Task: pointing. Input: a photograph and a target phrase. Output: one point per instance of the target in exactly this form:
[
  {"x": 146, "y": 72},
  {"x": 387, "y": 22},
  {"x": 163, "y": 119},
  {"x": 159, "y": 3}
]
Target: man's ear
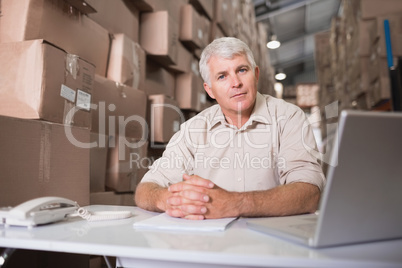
[
  {"x": 257, "y": 73},
  {"x": 208, "y": 90}
]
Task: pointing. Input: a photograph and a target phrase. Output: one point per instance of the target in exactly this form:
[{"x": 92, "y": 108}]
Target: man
[{"x": 245, "y": 156}]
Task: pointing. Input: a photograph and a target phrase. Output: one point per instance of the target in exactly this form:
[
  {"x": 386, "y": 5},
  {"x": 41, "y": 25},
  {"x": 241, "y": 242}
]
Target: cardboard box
[
  {"x": 194, "y": 29},
  {"x": 367, "y": 36},
  {"x": 380, "y": 90},
  {"x": 127, "y": 62},
  {"x": 165, "y": 118},
  {"x": 225, "y": 15},
  {"x": 117, "y": 16},
  {"x": 216, "y": 32},
  {"x": 190, "y": 93},
  {"x": 82, "y": 6},
  {"x": 364, "y": 73},
  {"x": 183, "y": 62},
  {"x": 204, "y": 7},
  {"x": 98, "y": 161},
  {"x": 126, "y": 163},
  {"x": 113, "y": 199},
  {"x": 144, "y": 5},
  {"x": 120, "y": 110},
  {"x": 53, "y": 21},
  {"x": 36, "y": 83},
  {"x": 172, "y": 7},
  {"x": 307, "y": 95},
  {"x": 42, "y": 159},
  {"x": 159, "y": 80},
  {"x": 159, "y": 35},
  {"x": 374, "y": 8}
]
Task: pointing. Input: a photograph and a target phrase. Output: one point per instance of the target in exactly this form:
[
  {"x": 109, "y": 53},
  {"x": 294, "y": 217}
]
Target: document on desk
[{"x": 165, "y": 222}]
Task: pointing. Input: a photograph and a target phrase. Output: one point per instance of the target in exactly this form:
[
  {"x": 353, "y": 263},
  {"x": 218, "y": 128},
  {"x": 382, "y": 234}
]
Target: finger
[
  {"x": 182, "y": 186},
  {"x": 198, "y": 181},
  {"x": 174, "y": 201},
  {"x": 194, "y": 217},
  {"x": 177, "y": 200},
  {"x": 193, "y": 209},
  {"x": 177, "y": 213},
  {"x": 195, "y": 196}
]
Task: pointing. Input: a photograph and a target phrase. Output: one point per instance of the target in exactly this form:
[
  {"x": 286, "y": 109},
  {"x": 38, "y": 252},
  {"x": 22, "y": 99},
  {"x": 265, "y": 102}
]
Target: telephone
[
  {"x": 40, "y": 210},
  {"x": 50, "y": 209}
]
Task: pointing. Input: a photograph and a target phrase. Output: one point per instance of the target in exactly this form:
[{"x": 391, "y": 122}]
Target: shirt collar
[{"x": 260, "y": 113}]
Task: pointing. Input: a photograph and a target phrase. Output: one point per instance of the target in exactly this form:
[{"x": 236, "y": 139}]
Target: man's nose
[{"x": 236, "y": 82}]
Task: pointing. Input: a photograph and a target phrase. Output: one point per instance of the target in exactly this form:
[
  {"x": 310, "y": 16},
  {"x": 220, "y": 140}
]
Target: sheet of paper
[{"x": 165, "y": 222}]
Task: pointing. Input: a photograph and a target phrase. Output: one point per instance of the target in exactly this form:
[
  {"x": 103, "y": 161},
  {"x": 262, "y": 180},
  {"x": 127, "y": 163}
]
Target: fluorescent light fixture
[{"x": 273, "y": 43}]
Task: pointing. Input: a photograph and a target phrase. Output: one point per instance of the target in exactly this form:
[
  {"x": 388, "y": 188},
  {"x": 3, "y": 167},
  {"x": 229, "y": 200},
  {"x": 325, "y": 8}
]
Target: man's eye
[
  {"x": 221, "y": 77},
  {"x": 243, "y": 70}
]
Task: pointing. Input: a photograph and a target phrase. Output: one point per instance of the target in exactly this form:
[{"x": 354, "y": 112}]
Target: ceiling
[{"x": 295, "y": 22}]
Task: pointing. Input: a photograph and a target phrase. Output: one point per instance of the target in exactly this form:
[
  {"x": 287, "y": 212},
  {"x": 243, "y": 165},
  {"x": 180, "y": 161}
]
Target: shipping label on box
[{"x": 41, "y": 81}]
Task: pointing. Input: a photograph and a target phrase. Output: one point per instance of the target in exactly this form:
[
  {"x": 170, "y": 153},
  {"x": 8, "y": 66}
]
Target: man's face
[{"x": 233, "y": 84}]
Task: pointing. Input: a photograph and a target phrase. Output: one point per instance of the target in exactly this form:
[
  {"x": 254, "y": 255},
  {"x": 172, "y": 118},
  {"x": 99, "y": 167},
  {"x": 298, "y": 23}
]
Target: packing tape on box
[{"x": 72, "y": 66}]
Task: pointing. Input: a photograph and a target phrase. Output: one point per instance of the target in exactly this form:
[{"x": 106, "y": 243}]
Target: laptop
[{"x": 362, "y": 200}]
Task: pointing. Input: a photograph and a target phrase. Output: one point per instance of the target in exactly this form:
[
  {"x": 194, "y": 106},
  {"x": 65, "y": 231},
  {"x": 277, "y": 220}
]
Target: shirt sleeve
[
  {"x": 296, "y": 143},
  {"x": 176, "y": 160}
]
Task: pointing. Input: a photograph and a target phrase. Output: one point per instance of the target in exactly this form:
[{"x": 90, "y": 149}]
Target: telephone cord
[{"x": 102, "y": 215}]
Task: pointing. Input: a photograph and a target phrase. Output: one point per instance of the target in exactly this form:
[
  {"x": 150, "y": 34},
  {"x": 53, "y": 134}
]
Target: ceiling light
[
  {"x": 280, "y": 75},
  {"x": 273, "y": 43}
]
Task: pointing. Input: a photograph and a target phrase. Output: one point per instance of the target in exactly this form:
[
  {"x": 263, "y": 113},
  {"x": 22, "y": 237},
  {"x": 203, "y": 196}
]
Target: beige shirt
[{"x": 270, "y": 149}]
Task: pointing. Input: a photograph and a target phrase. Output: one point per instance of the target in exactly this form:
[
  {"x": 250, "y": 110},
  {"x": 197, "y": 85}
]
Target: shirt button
[{"x": 238, "y": 179}]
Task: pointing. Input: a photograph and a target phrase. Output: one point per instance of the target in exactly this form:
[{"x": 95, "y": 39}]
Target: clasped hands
[{"x": 197, "y": 198}]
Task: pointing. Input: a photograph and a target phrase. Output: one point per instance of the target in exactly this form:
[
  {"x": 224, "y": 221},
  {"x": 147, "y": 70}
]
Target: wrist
[
  {"x": 162, "y": 197},
  {"x": 239, "y": 203},
  {"x": 243, "y": 203}
]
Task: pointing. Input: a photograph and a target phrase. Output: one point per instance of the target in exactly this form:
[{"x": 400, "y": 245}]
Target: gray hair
[{"x": 227, "y": 48}]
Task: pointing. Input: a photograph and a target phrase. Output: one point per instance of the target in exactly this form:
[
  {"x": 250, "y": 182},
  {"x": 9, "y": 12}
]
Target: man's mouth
[{"x": 238, "y": 95}]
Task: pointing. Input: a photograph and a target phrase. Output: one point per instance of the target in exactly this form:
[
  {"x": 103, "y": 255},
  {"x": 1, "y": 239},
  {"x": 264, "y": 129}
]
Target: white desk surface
[{"x": 235, "y": 247}]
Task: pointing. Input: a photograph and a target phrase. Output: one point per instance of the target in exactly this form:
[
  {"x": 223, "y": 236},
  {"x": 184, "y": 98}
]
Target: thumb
[{"x": 186, "y": 177}]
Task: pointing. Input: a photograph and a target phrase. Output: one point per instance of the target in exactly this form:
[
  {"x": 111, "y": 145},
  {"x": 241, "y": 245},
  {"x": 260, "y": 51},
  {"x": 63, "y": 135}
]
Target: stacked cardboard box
[
  {"x": 41, "y": 81},
  {"x": 307, "y": 95},
  {"x": 360, "y": 74}
]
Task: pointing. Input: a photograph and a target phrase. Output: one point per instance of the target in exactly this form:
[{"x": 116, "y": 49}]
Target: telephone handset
[
  {"x": 40, "y": 210},
  {"x": 50, "y": 209}
]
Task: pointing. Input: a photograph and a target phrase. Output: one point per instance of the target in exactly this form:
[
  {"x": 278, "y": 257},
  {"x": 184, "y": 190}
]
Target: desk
[{"x": 236, "y": 247}]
